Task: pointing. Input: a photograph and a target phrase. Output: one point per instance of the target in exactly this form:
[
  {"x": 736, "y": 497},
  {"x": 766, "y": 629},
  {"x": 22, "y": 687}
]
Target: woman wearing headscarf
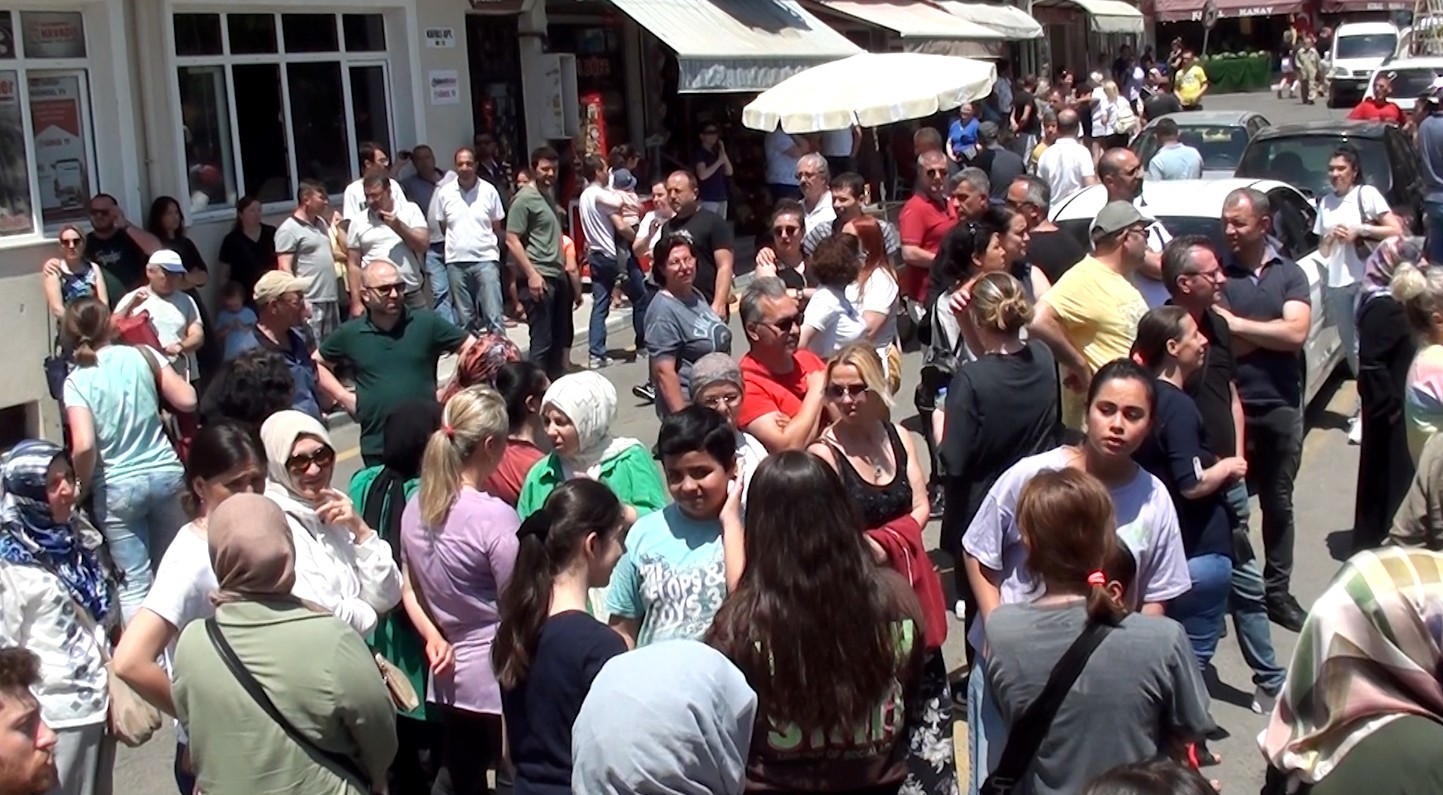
[
  {"x": 696, "y": 734},
  {"x": 381, "y": 493},
  {"x": 314, "y": 669},
  {"x": 716, "y": 382},
  {"x": 480, "y": 363},
  {"x": 579, "y": 410},
  {"x": 57, "y": 600},
  {"x": 1363, "y": 707},
  {"x": 341, "y": 564},
  {"x": 1386, "y": 347}
]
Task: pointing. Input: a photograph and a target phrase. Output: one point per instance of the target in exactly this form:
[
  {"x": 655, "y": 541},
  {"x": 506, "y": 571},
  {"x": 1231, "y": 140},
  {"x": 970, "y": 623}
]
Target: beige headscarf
[
  {"x": 279, "y": 434},
  {"x": 251, "y": 550}
]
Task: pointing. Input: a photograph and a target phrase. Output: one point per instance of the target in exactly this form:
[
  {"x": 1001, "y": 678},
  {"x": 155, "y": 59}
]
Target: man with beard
[
  {"x": 119, "y": 248},
  {"x": 27, "y": 746},
  {"x": 550, "y": 292},
  {"x": 1122, "y": 174},
  {"x": 783, "y": 398}
]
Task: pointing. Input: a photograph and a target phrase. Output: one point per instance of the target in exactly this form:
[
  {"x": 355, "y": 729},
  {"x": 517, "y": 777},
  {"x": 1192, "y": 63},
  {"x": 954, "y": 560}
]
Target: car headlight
[{"x": 1339, "y": 71}]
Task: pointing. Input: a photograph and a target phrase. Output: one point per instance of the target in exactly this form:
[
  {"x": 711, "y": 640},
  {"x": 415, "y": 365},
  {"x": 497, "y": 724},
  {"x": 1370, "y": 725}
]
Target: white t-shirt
[
  {"x": 1104, "y": 114},
  {"x": 353, "y": 201},
  {"x": 468, "y": 217},
  {"x": 781, "y": 167},
  {"x": 880, "y": 295},
  {"x": 171, "y": 315},
  {"x": 597, "y": 205},
  {"x": 376, "y": 240},
  {"x": 821, "y": 215},
  {"x": 1363, "y": 204},
  {"x": 1064, "y": 166},
  {"x": 750, "y": 454},
  {"x": 835, "y": 318},
  {"x": 182, "y": 588}
]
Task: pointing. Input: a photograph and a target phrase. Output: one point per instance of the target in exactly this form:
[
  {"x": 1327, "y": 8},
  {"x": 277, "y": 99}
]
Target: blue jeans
[
  {"x": 138, "y": 515},
  {"x": 440, "y": 284},
  {"x": 1433, "y": 222},
  {"x": 1201, "y": 609},
  {"x": 476, "y": 295},
  {"x": 1247, "y": 604},
  {"x": 604, "y": 273},
  {"x": 986, "y": 731}
]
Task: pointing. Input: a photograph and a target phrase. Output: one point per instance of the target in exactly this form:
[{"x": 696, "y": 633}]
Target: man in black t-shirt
[
  {"x": 121, "y": 250},
  {"x": 1051, "y": 250},
  {"x": 1162, "y": 103},
  {"x": 711, "y": 239},
  {"x": 1026, "y": 121}
]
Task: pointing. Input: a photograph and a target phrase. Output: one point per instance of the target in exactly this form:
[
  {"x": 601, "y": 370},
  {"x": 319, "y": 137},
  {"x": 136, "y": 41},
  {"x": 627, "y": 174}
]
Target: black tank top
[{"x": 879, "y": 504}]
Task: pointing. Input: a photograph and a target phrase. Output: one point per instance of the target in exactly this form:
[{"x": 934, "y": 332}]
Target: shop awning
[
  {"x": 1012, "y": 22},
  {"x": 1107, "y": 16},
  {"x": 738, "y": 45},
  {"x": 912, "y": 19},
  {"x": 1192, "y": 10},
  {"x": 1358, "y": 6}
]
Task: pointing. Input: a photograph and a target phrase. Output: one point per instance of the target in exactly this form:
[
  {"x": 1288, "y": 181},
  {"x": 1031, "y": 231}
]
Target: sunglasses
[
  {"x": 784, "y": 325},
  {"x": 786, "y": 230},
  {"x": 388, "y": 289},
  {"x": 299, "y": 464},
  {"x": 936, "y": 172},
  {"x": 851, "y": 390},
  {"x": 70, "y": 242}
]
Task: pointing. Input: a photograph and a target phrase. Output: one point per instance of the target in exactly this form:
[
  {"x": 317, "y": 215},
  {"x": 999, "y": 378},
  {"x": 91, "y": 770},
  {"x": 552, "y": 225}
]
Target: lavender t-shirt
[
  {"x": 1146, "y": 522},
  {"x": 460, "y": 569}
]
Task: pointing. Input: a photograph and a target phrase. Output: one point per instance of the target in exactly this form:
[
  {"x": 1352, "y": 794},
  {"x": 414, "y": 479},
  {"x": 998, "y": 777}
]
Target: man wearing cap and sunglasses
[
  {"x": 281, "y": 315},
  {"x": 174, "y": 314}
]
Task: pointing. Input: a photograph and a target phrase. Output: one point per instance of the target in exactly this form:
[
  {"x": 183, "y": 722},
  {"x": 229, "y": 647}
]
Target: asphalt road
[{"x": 1324, "y": 505}]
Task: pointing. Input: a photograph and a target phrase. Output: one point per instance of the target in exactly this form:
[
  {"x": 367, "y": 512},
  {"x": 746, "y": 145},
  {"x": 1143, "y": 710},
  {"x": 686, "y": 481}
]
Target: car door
[
  {"x": 1407, "y": 184},
  {"x": 1293, "y": 219}
]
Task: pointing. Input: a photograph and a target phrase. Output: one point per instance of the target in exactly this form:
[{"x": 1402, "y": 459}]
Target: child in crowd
[{"x": 236, "y": 322}]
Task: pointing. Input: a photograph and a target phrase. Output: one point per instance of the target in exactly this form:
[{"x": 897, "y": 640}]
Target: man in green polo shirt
[
  {"x": 550, "y": 291},
  {"x": 392, "y": 350}
]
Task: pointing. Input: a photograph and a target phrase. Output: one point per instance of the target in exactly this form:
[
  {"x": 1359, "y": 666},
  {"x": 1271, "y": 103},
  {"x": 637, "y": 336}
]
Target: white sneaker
[
  {"x": 1355, "y": 431},
  {"x": 1263, "y": 702}
]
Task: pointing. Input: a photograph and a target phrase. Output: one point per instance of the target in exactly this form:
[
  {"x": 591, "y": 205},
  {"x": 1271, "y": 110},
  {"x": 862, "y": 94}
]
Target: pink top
[{"x": 460, "y": 569}]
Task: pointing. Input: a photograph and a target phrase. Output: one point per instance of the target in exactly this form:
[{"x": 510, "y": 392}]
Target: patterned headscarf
[
  {"x": 32, "y": 537},
  {"x": 480, "y": 362},
  {"x": 1370, "y": 652},
  {"x": 1383, "y": 263}
]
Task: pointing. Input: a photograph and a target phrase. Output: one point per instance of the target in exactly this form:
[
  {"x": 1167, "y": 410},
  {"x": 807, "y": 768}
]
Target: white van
[{"x": 1359, "y": 48}]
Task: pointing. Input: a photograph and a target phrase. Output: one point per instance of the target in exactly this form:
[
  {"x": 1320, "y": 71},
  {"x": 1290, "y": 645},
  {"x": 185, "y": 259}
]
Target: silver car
[{"x": 1218, "y": 135}]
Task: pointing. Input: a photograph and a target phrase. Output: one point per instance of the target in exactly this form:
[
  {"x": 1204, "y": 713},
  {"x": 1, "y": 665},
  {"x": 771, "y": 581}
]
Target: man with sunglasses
[
  {"x": 1050, "y": 249},
  {"x": 392, "y": 349},
  {"x": 783, "y": 389},
  {"x": 119, "y": 248},
  {"x": 926, "y": 218}
]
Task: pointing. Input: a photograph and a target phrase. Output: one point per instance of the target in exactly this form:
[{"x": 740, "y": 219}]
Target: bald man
[
  {"x": 392, "y": 349},
  {"x": 1122, "y": 175},
  {"x": 1067, "y": 164}
]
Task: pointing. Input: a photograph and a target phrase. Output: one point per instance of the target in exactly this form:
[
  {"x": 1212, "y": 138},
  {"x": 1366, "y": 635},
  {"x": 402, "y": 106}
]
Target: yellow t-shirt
[
  {"x": 1190, "y": 84},
  {"x": 1100, "y": 309},
  {"x": 1036, "y": 155}
]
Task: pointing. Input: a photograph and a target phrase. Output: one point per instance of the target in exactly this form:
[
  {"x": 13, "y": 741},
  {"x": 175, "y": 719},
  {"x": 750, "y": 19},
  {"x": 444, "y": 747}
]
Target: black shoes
[
  {"x": 1285, "y": 611},
  {"x": 645, "y": 392}
]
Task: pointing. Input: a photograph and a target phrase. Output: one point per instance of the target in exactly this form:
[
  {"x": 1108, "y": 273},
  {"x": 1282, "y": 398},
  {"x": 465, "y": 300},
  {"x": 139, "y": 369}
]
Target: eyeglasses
[
  {"x": 70, "y": 242},
  {"x": 786, "y": 230},
  {"x": 398, "y": 288},
  {"x": 300, "y": 463},
  {"x": 936, "y": 172},
  {"x": 849, "y": 390}
]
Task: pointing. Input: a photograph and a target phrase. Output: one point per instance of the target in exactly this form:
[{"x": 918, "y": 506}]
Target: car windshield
[
  {"x": 1221, "y": 146},
  {"x": 1177, "y": 226},
  {"x": 1368, "y": 45},
  {"x": 1302, "y": 161},
  {"x": 1413, "y": 82}
]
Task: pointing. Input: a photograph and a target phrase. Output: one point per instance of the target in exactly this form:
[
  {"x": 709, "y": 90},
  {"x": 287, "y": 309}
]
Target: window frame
[
  {"x": 24, "y": 66},
  {"x": 346, "y": 60}
]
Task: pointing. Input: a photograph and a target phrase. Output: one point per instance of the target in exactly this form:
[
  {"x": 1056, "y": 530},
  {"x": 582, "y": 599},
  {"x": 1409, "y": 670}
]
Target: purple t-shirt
[
  {"x": 460, "y": 569},
  {"x": 1146, "y": 522}
]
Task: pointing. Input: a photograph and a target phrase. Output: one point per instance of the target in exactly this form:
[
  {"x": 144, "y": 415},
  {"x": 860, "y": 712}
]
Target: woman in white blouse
[
  {"x": 875, "y": 295},
  {"x": 341, "y": 564},
  {"x": 833, "y": 319}
]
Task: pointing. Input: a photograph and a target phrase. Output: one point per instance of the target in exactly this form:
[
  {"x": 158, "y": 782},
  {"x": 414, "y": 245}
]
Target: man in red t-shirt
[
  {"x": 926, "y": 218},
  {"x": 782, "y": 394},
  {"x": 1377, "y": 107}
]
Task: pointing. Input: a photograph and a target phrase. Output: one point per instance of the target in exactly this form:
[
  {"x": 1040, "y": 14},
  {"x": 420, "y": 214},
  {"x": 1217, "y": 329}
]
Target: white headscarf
[
  {"x": 279, "y": 434},
  {"x": 589, "y": 400}
]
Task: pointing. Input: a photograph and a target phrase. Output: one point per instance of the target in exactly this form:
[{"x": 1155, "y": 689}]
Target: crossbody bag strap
[
  {"x": 330, "y": 759},
  {"x": 1027, "y": 734}
]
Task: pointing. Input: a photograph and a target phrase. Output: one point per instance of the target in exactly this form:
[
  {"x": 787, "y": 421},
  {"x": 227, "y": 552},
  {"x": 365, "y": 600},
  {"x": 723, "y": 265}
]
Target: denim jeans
[
  {"x": 986, "y": 731},
  {"x": 138, "y": 515},
  {"x": 1275, "y": 450},
  {"x": 1433, "y": 221},
  {"x": 440, "y": 282},
  {"x": 1343, "y": 304},
  {"x": 476, "y": 295},
  {"x": 604, "y": 273},
  {"x": 1201, "y": 609},
  {"x": 1247, "y": 604},
  {"x": 548, "y": 317},
  {"x": 720, "y": 208}
]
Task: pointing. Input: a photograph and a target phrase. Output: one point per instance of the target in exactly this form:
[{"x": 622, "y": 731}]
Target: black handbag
[
  {"x": 57, "y": 368},
  {"x": 1027, "y": 734},
  {"x": 939, "y": 363}
]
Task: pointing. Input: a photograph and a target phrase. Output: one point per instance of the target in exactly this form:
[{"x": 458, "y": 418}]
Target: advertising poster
[
  {"x": 445, "y": 87},
  {"x": 53, "y": 34},
  {"x": 7, "y": 36},
  {"x": 61, "y": 165},
  {"x": 15, "y": 215}
]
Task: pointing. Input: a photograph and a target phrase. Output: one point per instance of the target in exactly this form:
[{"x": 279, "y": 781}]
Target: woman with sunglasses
[
  {"x": 785, "y": 258},
  {"x": 71, "y": 275},
  {"x": 341, "y": 563},
  {"x": 680, "y": 325}
]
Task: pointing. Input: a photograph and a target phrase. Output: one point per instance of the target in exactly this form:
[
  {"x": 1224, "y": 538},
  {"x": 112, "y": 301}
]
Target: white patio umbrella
[{"x": 869, "y": 89}]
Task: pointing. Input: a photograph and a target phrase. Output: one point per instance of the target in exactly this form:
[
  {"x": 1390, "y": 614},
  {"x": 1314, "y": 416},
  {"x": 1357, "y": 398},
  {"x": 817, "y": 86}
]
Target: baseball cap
[
  {"x": 275, "y": 284},
  {"x": 1114, "y": 218},
  {"x": 988, "y": 130},
  {"x": 168, "y": 261}
]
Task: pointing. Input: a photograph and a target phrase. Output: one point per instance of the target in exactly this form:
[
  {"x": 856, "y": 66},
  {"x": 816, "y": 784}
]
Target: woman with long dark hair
[
  {"x": 523, "y": 386},
  {"x": 829, "y": 640},
  {"x": 548, "y": 648},
  {"x": 166, "y": 221},
  {"x": 1140, "y": 688},
  {"x": 249, "y": 249}
]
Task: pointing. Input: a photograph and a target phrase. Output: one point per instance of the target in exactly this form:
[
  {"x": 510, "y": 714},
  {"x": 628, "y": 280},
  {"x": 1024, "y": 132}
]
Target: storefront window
[
  {"x": 274, "y": 120},
  {"x": 58, "y": 119},
  {"x": 16, "y": 217}
]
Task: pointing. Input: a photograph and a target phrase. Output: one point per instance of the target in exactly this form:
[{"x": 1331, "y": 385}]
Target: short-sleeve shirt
[
  {"x": 1099, "y": 309},
  {"x": 684, "y": 330},
  {"x": 1373, "y": 110},
  {"x": 1266, "y": 379},
  {"x": 532, "y": 218},
  {"x": 392, "y": 366},
  {"x": 596, "y": 206},
  {"x": 171, "y": 315},
  {"x": 1161, "y": 105},
  {"x": 353, "y": 201},
  {"x": 781, "y": 167},
  {"x": 1211, "y": 386},
  {"x": 1190, "y": 84},
  {"x": 671, "y": 577},
  {"x": 1146, "y": 522},
  {"x": 836, "y": 319},
  {"x": 120, "y": 392},
  {"x": 310, "y": 246},
  {"x": 1362, "y": 204},
  {"x": 923, "y": 223},
  {"x": 296, "y": 350},
  {"x": 709, "y": 233},
  {"x": 1175, "y": 161},
  {"x": 247, "y": 258},
  {"x": 1055, "y": 252},
  {"x": 713, "y": 188},
  {"x": 1175, "y": 451},
  {"x": 376, "y": 240},
  {"x": 765, "y": 392},
  {"x": 120, "y": 259},
  {"x": 470, "y": 217},
  {"x": 1065, "y": 166},
  {"x": 878, "y": 295}
]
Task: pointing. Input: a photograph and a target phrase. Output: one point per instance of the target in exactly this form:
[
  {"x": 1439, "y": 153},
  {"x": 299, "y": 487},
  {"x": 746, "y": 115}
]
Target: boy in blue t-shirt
[
  {"x": 672, "y": 578},
  {"x": 235, "y": 322}
]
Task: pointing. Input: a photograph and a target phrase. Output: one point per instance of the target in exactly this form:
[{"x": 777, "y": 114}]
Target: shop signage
[
  {"x": 62, "y": 169},
  {"x": 445, "y": 87},
  {"x": 440, "y": 38},
  {"x": 53, "y": 34}
]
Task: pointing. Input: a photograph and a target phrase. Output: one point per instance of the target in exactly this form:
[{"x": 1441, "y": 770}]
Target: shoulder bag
[
  {"x": 336, "y": 762},
  {"x": 939, "y": 362},
  {"x": 1027, "y": 734}
]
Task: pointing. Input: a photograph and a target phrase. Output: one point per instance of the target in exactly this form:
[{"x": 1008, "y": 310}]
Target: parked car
[
  {"x": 1195, "y": 207},
  {"x": 1359, "y": 48},
  {"x": 1218, "y": 135},
  {"x": 1298, "y": 154},
  {"x": 1411, "y": 78}
]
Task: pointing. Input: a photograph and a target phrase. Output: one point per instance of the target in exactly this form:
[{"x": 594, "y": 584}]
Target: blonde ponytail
[
  {"x": 1419, "y": 289},
  {"x": 470, "y": 417}
]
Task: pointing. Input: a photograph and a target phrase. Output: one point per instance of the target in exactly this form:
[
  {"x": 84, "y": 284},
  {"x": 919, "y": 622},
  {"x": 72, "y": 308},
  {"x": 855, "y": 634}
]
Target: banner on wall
[
  {"x": 15, "y": 215},
  {"x": 53, "y": 34},
  {"x": 61, "y": 165}
]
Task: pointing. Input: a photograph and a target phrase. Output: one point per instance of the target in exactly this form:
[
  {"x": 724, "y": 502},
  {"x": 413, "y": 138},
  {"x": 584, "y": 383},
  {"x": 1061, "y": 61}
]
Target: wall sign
[
  {"x": 445, "y": 87},
  {"x": 53, "y": 34},
  {"x": 441, "y": 38}
]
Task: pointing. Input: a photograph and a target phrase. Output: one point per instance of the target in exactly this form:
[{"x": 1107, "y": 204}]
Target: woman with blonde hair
[
  {"x": 1420, "y": 291},
  {"x": 71, "y": 276},
  {"x": 458, "y": 547}
]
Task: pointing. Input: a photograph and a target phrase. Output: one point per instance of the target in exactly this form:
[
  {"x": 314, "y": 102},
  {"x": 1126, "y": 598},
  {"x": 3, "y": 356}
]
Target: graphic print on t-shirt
[{"x": 681, "y": 600}]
